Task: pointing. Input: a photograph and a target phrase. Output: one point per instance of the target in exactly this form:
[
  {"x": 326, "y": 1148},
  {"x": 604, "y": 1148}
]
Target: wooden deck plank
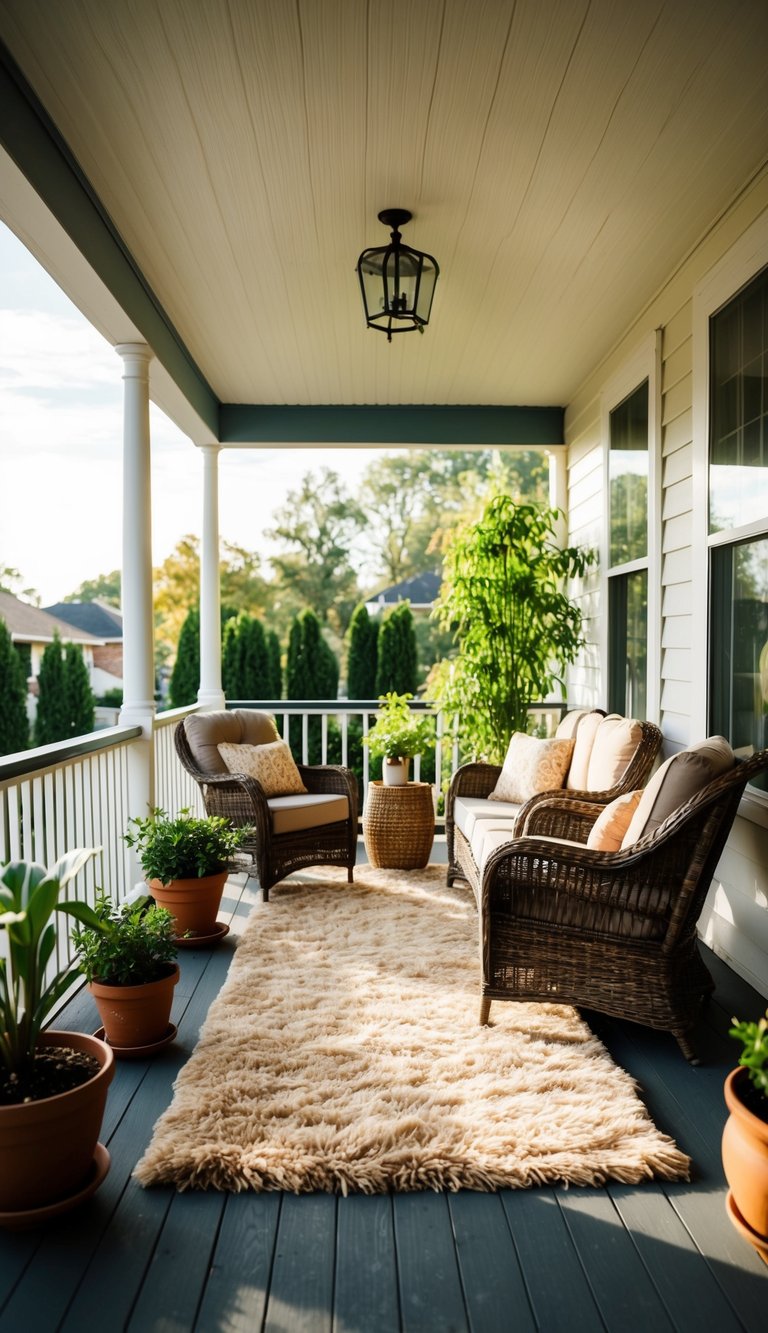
[
  {"x": 235, "y": 1298},
  {"x": 494, "y": 1290},
  {"x": 301, "y": 1291},
  {"x": 431, "y": 1297},
  {"x": 365, "y": 1295},
  {"x": 558, "y": 1289},
  {"x": 176, "y": 1277}
]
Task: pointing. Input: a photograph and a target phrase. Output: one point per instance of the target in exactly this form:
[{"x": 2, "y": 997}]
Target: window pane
[
  {"x": 739, "y": 652},
  {"x": 628, "y": 644},
  {"x": 629, "y": 478},
  {"x": 738, "y": 457}
]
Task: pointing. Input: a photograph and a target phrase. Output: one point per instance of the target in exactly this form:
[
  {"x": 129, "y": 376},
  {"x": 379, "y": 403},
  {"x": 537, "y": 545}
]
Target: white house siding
[{"x": 735, "y": 919}]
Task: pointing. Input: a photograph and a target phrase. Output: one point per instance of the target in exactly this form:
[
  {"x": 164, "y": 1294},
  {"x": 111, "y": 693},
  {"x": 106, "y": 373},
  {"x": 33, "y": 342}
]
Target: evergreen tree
[
  {"x": 396, "y": 667},
  {"x": 361, "y": 658},
  {"x": 14, "y": 728},
  {"x": 275, "y": 666},
  {"x": 80, "y": 704},
  {"x": 185, "y": 678},
  {"x": 296, "y": 675},
  {"x": 254, "y": 660},
  {"x": 52, "y": 722},
  {"x": 230, "y": 660},
  {"x": 312, "y": 672}
]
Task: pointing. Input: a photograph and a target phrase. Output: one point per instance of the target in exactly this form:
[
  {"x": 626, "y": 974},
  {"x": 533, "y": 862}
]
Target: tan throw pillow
[
  {"x": 532, "y": 766},
  {"x": 609, "y": 828},
  {"x": 678, "y": 779},
  {"x": 272, "y": 765}
]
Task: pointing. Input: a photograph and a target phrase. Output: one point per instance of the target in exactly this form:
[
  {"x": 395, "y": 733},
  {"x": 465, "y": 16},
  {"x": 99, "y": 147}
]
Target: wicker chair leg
[
  {"x": 350, "y": 875},
  {"x": 686, "y": 1047},
  {"x": 265, "y": 893},
  {"x": 485, "y": 1009}
]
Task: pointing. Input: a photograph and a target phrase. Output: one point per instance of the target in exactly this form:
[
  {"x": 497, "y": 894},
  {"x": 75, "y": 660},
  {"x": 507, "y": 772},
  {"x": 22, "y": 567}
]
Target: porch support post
[
  {"x": 210, "y": 695},
  {"x": 558, "y": 491},
  {"x": 138, "y": 708}
]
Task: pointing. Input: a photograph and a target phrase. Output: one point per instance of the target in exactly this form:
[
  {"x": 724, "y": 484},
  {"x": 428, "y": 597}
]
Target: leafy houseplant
[
  {"x": 53, "y": 1085},
  {"x": 131, "y": 970},
  {"x": 185, "y": 860},
  {"x": 397, "y": 735},
  {"x": 745, "y": 1137}
]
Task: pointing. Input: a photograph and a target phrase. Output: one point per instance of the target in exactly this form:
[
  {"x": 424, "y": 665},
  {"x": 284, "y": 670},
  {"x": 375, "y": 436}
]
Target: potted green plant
[
  {"x": 185, "y": 859},
  {"x": 397, "y": 735},
  {"x": 130, "y": 966},
  {"x": 745, "y": 1137},
  {"x": 53, "y": 1084}
]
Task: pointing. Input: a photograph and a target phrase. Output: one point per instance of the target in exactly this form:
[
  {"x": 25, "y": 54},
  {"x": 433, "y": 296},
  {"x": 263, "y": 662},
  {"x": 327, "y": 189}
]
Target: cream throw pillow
[
  {"x": 609, "y": 828},
  {"x": 532, "y": 766},
  {"x": 272, "y": 765}
]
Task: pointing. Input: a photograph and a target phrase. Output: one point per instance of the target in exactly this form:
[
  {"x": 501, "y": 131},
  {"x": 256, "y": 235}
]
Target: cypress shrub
[
  {"x": 80, "y": 703},
  {"x": 230, "y": 660},
  {"x": 52, "y": 722},
  {"x": 254, "y": 660},
  {"x": 396, "y": 668},
  {"x": 275, "y": 666},
  {"x": 185, "y": 678},
  {"x": 361, "y": 658},
  {"x": 14, "y": 727}
]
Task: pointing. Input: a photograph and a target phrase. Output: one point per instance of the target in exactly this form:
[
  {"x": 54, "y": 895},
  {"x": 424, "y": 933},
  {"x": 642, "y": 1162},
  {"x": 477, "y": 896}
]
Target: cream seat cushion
[
  {"x": 680, "y": 778},
  {"x": 531, "y": 766},
  {"x": 616, "y": 741},
  {"x": 272, "y": 765},
  {"x": 290, "y": 814},
  {"x": 239, "y": 726},
  {"x": 610, "y": 826},
  {"x": 487, "y": 840},
  {"x": 468, "y": 810}
]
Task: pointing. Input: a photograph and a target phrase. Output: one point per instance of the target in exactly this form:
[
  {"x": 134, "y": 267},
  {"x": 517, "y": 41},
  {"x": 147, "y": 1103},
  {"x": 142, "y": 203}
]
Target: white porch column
[
  {"x": 210, "y": 695},
  {"x": 558, "y": 491},
  {"x": 138, "y": 632}
]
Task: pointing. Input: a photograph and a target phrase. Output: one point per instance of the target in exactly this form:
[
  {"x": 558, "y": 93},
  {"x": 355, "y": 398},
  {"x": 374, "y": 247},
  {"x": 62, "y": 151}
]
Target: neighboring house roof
[
  {"x": 420, "y": 591},
  {"x": 93, "y": 617},
  {"x": 28, "y": 624}
]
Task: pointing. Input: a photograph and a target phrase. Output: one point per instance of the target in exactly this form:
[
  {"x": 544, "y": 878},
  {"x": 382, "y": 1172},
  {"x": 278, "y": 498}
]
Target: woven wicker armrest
[
  {"x": 236, "y": 796},
  {"x": 478, "y": 779},
  {"x": 557, "y": 815}
]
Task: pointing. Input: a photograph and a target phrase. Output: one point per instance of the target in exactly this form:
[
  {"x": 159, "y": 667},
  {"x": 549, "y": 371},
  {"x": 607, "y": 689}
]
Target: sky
[{"x": 61, "y": 405}]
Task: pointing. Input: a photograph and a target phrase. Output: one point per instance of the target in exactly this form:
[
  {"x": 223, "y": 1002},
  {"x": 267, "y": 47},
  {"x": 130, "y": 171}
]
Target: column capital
[{"x": 136, "y": 357}]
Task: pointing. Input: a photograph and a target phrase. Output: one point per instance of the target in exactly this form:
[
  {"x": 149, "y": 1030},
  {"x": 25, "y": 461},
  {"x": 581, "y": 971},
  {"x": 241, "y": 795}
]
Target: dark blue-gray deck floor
[{"x": 649, "y": 1257}]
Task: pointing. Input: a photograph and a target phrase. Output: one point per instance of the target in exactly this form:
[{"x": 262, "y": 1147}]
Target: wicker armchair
[
  {"x": 479, "y": 779},
  {"x": 611, "y": 931},
  {"x": 242, "y": 800}
]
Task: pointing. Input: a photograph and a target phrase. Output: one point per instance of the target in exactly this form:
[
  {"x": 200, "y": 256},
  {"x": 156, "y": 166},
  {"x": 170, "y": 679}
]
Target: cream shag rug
[{"x": 344, "y": 1054}]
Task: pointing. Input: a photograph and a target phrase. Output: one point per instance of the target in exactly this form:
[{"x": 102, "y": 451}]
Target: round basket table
[{"x": 399, "y": 825}]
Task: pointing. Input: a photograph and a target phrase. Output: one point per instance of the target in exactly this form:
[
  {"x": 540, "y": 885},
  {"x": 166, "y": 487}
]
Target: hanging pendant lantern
[{"x": 397, "y": 283}]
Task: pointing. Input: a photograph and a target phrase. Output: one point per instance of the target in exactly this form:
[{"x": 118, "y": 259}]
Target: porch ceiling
[{"x": 561, "y": 157}]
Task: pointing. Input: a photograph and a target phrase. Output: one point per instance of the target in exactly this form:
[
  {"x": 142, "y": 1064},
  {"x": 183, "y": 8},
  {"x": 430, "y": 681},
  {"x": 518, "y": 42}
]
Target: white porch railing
[{"x": 175, "y": 789}]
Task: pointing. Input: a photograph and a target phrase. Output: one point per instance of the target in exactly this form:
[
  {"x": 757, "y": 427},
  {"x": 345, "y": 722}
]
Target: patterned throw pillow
[
  {"x": 532, "y": 766},
  {"x": 272, "y": 765}
]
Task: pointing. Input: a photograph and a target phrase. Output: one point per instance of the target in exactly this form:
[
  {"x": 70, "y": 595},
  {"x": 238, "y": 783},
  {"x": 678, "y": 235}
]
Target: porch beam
[
  {"x": 210, "y": 694},
  {"x": 434, "y": 425}
]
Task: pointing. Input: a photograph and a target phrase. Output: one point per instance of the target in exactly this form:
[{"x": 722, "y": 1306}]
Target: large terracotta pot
[
  {"x": 136, "y": 1015},
  {"x": 193, "y": 902},
  {"x": 745, "y": 1156},
  {"x": 47, "y": 1147}
]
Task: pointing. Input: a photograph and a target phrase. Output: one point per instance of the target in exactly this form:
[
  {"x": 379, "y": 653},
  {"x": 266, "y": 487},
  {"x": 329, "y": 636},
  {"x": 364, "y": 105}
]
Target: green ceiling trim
[
  {"x": 431, "y": 425},
  {"x": 36, "y": 146}
]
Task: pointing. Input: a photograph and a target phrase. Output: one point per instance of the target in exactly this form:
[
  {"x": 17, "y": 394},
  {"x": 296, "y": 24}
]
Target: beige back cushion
[
  {"x": 678, "y": 779},
  {"x": 272, "y": 765},
  {"x": 585, "y": 738},
  {"x": 615, "y": 744},
  {"x": 609, "y": 828},
  {"x": 532, "y": 766},
  {"x": 238, "y": 726},
  {"x": 569, "y": 725}
]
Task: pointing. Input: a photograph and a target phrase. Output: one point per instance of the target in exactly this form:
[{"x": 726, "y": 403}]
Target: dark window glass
[
  {"x": 628, "y": 644},
  {"x": 629, "y": 478},
  {"x": 738, "y": 453},
  {"x": 739, "y": 646}
]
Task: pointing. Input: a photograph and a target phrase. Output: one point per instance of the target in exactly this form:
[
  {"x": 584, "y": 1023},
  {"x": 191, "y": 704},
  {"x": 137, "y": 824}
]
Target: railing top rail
[
  {"x": 50, "y": 756},
  {"x": 351, "y": 705},
  {"x": 170, "y": 715}
]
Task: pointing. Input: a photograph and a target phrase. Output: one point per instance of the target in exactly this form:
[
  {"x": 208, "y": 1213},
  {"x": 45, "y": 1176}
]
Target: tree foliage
[
  {"x": 103, "y": 588},
  {"x": 318, "y": 524},
  {"x": 177, "y": 587},
  {"x": 275, "y": 666},
  {"x": 14, "y": 727},
  {"x": 396, "y": 667},
  {"x": 516, "y": 627},
  {"x": 52, "y": 720},
  {"x": 185, "y": 677},
  {"x": 80, "y": 702},
  {"x": 361, "y": 655}
]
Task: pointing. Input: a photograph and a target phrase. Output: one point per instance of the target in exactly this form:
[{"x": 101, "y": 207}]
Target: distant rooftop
[
  {"x": 420, "y": 590},
  {"x": 31, "y": 624},
  {"x": 93, "y": 617}
]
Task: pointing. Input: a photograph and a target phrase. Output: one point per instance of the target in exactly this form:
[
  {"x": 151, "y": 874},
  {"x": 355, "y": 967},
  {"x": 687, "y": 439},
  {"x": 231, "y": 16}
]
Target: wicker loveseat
[
  {"x": 290, "y": 832},
  {"x": 611, "y": 931},
  {"x": 611, "y": 755}
]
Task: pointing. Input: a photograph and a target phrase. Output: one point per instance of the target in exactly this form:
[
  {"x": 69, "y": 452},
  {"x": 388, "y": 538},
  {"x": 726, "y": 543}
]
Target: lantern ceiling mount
[{"x": 397, "y": 282}]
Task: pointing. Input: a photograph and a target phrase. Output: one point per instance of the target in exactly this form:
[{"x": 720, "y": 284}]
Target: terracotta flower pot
[
  {"x": 47, "y": 1147},
  {"x": 136, "y": 1015},
  {"x": 193, "y": 902},
  {"x": 745, "y": 1156}
]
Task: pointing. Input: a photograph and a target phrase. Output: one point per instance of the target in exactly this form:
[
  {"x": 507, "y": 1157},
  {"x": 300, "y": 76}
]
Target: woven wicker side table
[{"x": 399, "y": 825}]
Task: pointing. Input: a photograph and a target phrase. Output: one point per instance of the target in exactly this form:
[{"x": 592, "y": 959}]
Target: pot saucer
[
  {"x": 139, "y": 1052},
  {"x": 31, "y": 1217},
  {"x": 198, "y": 941},
  {"x": 759, "y": 1242}
]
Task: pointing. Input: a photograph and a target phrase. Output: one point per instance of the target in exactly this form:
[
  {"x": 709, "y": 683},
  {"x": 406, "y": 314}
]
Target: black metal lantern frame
[{"x": 397, "y": 283}]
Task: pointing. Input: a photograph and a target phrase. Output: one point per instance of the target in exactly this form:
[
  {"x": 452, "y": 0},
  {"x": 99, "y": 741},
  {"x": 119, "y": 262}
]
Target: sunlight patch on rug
[{"x": 344, "y": 1054}]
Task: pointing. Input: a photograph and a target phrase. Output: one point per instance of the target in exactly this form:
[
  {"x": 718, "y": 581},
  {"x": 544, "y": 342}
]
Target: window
[
  {"x": 628, "y": 472},
  {"x": 738, "y": 505}
]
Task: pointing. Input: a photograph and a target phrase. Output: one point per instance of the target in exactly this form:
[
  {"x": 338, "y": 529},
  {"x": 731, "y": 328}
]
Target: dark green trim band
[
  {"x": 44, "y": 757},
  {"x": 433, "y": 425},
  {"x": 30, "y": 137}
]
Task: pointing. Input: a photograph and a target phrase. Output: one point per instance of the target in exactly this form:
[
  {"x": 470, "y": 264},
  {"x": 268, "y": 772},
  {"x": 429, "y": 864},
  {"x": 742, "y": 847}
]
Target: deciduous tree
[{"x": 318, "y": 524}]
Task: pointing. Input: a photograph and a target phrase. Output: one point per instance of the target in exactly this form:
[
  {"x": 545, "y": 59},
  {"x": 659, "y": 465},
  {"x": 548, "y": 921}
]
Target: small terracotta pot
[
  {"x": 193, "y": 902},
  {"x": 745, "y": 1156},
  {"x": 47, "y": 1147},
  {"x": 135, "y": 1015}
]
